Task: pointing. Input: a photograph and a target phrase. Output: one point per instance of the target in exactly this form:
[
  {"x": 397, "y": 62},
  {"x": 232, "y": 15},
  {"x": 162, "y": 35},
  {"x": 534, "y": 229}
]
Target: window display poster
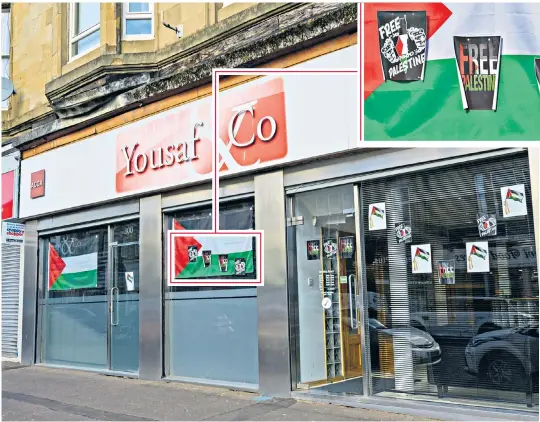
[
  {"x": 421, "y": 259},
  {"x": 403, "y": 232},
  {"x": 477, "y": 257},
  {"x": 73, "y": 272},
  {"x": 377, "y": 216},
  {"x": 402, "y": 40},
  {"x": 346, "y": 246},
  {"x": 478, "y": 63},
  {"x": 330, "y": 248},
  {"x": 513, "y": 201},
  {"x": 447, "y": 273},
  {"x": 313, "y": 250},
  {"x": 487, "y": 225},
  {"x": 130, "y": 280},
  {"x": 537, "y": 71}
]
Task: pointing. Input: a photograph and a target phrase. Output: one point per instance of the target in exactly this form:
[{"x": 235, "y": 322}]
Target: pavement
[{"x": 46, "y": 394}]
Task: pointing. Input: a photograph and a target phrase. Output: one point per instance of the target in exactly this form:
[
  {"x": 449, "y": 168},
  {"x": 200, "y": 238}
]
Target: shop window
[
  {"x": 84, "y": 28},
  {"x": 471, "y": 335},
  {"x": 6, "y": 44},
  {"x": 138, "y": 21},
  {"x": 74, "y": 299},
  {"x": 211, "y": 332}
]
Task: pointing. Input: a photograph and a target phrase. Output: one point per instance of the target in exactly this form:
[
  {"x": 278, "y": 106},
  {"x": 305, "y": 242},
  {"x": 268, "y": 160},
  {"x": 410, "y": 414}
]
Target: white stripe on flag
[
  {"x": 223, "y": 245},
  {"x": 78, "y": 264}
]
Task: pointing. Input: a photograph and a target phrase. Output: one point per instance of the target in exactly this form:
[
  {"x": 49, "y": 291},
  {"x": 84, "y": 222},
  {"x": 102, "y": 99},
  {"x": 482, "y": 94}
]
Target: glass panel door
[
  {"x": 124, "y": 308},
  {"x": 329, "y": 343},
  {"x": 124, "y": 298}
]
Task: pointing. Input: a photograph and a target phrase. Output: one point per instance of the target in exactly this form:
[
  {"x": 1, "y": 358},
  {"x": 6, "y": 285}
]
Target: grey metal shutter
[{"x": 11, "y": 266}]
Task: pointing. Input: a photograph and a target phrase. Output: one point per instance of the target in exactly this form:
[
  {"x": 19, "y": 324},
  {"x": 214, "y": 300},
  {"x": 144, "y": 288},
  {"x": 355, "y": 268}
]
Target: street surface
[{"x": 46, "y": 394}]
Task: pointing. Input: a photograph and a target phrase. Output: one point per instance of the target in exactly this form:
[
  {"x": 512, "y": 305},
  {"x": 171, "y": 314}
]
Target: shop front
[
  {"x": 416, "y": 281},
  {"x": 97, "y": 212}
]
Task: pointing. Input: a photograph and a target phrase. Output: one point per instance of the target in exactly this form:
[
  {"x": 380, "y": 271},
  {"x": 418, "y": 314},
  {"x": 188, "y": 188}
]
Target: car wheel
[{"x": 502, "y": 370}]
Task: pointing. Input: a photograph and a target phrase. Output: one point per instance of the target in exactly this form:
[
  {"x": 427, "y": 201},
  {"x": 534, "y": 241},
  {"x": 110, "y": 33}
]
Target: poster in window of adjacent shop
[
  {"x": 478, "y": 65},
  {"x": 421, "y": 259},
  {"x": 403, "y": 232},
  {"x": 537, "y": 72},
  {"x": 377, "y": 216},
  {"x": 313, "y": 250},
  {"x": 487, "y": 225},
  {"x": 330, "y": 248},
  {"x": 477, "y": 257},
  {"x": 514, "y": 202},
  {"x": 346, "y": 246},
  {"x": 447, "y": 273},
  {"x": 402, "y": 42}
]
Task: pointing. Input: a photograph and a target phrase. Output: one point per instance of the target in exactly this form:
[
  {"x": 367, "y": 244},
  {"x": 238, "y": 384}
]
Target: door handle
[
  {"x": 352, "y": 309},
  {"x": 114, "y": 317}
]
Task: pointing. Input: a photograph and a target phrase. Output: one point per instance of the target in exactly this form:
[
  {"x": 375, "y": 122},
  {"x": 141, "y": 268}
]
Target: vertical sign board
[
  {"x": 402, "y": 41},
  {"x": 478, "y": 62}
]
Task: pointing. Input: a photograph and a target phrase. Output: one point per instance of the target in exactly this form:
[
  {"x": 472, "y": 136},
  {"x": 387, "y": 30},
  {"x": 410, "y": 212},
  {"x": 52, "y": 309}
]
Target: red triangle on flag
[
  {"x": 56, "y": 265},
  {"x": 399, "y": 46},
  {"x": 181, "y": 244}
]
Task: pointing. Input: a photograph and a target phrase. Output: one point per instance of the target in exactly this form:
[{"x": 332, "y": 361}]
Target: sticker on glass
[
  {"x": 192, "y": 253},
  {"x": 477, "y": 257},
  {"x": 330, "y": 248},
  {"x": 487, "y": 225},
  {"x": 207, "y": 258},
  {"x": 447, "y": 273},
  {"x": 223, "y": 262},
  {"x": 513, "y": 200},
  {"x": 239, "y": 266},
  {"x": 347, "y": 246},
  {"x": 403, "y": 232},
  {"x": 130, "y": 281},
  {"x": 377, "y": 216},
  {"x": 326, "y": 303},
  {"x": 421, "y": 259},
  {"x": 313, "y": 250}
]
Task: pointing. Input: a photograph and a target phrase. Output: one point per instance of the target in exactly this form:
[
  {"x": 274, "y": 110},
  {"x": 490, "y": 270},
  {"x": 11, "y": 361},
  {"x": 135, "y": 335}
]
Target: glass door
[
  {"x": 329, "y": 347},
  {"x": 124, "y": 299}
]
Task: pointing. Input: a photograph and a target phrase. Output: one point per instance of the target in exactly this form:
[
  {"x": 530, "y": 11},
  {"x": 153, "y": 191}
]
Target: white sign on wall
[{"x": 12, "y": 232}]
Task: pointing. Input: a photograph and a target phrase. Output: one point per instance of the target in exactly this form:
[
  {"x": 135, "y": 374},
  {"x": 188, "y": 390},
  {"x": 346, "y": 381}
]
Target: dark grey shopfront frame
[{"x": 276, "y": 346}]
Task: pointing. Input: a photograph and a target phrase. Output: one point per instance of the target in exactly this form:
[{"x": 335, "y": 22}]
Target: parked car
[
  {"x": 505, "y": 359},
  {"x": 425, "y": 350}
]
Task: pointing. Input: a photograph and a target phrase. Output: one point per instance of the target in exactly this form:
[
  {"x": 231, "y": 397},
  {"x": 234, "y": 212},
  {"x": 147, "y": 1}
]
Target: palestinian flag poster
[
  {"x": 478, "y": 61},
  {"x": 447, "y": 273},
  {"x": 204, "y": 256},
  {"x": 487, "y": 225},
  {"x": 477, "y": 257},
  {"x": 514, "y": 202},
  {"x": 421, "y": 259},
  {"x": 402, "y": 41},
  {"x": 377, "y": 216},
  {"x": 72, "y": 272},
  {"x": 433, "y": 110}
]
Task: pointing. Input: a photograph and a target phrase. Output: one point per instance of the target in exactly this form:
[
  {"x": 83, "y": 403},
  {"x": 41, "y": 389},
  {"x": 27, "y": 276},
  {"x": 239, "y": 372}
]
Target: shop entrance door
[
  {"x": 325, "y": 269},
  {"x": 124, "y": 307}
]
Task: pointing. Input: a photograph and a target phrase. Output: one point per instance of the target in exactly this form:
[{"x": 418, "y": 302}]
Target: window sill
[
  {"x": 78, "y": 56},
  {"x": 138, "y": 37}
]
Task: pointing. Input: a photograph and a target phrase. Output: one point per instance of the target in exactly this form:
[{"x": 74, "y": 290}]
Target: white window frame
[
  {"x": 127, "y": 15},
  {"x": 74, "y": 38},
  {"x": 5, "y": 104}
]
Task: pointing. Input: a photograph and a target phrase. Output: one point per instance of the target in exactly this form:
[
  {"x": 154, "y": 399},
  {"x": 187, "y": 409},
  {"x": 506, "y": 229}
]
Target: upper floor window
[
  {"x": 138, "y": 22},
  {"x": 84, "y": 25},
  {"x": 6, "y": 43}
]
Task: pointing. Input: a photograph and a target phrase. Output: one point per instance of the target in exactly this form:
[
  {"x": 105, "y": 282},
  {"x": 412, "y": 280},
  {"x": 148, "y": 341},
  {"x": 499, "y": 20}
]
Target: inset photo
[{"x": 449, "y": 72}]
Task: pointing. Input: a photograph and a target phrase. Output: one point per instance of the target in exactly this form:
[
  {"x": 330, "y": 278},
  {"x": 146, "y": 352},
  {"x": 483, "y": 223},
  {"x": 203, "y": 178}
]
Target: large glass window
[
  {"x": 74, "y": 305},
  {"x": 138, "y": 20},
  {"x": 452, "y": 282},
  {"x": 84, "y": 23},
  {"x": 211, "y": 332}
]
